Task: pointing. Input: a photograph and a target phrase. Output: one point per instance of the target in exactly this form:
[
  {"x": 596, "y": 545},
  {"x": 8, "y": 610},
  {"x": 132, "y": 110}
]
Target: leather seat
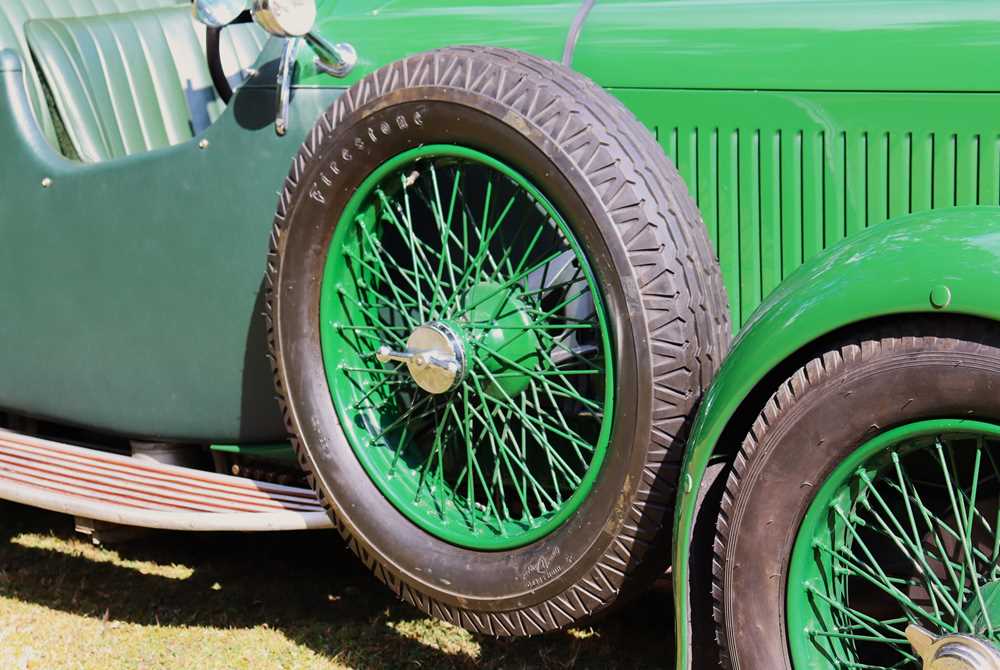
[
  {"x": 109, "y": 78},
  {"x": 132, "y": 82},
  {"x": 128, "y": 83},
  {"x": 15, "y": 13}
]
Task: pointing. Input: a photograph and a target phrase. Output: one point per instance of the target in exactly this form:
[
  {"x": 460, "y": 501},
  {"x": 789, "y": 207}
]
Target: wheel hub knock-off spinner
[
  {"x": 435, "y": 357},
  {"x": 953, "y": 652}
]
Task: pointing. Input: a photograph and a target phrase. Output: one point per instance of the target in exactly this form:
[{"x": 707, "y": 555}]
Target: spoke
[
  {"x": 911, "y": 550},
  {"x": 965, "y": 536},
  {"x": 444, "y": 258},
  {"x": 404, "y": 418},
  {"x": 471, "y": 273},
  {"x": 934, "y": 525},
  {"x": 367, "y": 332},
  {"x": 401, "y": 442},
  {"x": 470, "y": 489},
  {"x": 512, "y": 281},
  {"x": 555, "y": 459},
  {"x": 866, "y": 622},
  {"x": 401, "y": 298},
  {"x": 384, "y": 272},
  {"x": 417, "y": 256},
  {"x": 571, "y": 435},
  {"x": 543, "y": 377},
  {"x": 537, "y": 488},
  {"x": 861, "y": 638},
  {"x": 872, "y": 572},
  {"x": 381, "y": 385}
]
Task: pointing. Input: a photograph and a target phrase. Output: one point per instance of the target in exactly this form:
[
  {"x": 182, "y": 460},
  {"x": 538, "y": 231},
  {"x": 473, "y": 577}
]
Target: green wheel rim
[
  {"x": 903, "y": 531},
  {"x": 449, "y": 236}
]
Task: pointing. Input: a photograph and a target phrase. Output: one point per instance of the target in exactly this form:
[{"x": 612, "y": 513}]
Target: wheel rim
[
  {"x": 902, "y": 532},
  {"x": 486, "y": 428}
]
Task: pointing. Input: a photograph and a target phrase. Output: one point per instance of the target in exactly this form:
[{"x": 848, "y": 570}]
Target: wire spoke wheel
[
  {"x": 903, "y": 532},
  {"x": 467, "y": 348},
  {"x": 494, "y": 309}
]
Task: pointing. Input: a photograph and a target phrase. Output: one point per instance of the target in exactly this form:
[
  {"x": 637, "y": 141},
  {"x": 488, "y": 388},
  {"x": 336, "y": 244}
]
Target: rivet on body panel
[
  {"x": 46, "y": 182},
  {"x": 203, "y": 144},
  {"x": 940, "y": 296}
]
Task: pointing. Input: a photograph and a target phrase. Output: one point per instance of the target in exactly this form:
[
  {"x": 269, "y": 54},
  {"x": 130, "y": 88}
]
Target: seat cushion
[
  {"x": 132, "y": 82},
  {"x": 15, "y": 13}
]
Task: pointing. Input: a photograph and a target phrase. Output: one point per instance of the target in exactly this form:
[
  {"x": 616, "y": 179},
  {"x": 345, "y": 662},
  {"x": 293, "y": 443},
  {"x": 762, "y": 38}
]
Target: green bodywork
[
  {"x": 942, "y": 262},
  {"x": 133, "y": 300}
]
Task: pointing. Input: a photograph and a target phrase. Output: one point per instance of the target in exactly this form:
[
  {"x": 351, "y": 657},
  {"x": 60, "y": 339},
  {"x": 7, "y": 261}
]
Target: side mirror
[
  {"x": 285, "y": 18},
  {"x": 218, "y": 13}
]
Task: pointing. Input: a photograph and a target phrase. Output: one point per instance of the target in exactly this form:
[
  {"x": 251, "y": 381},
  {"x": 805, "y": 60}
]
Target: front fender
[{"x": 939, "y": 261}]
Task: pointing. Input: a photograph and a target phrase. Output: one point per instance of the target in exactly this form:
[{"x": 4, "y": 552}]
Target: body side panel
[
  {"x": 890, "y": 269},
  {"x": 781, "y": 175},
  {"x": 132, "y": 295}
]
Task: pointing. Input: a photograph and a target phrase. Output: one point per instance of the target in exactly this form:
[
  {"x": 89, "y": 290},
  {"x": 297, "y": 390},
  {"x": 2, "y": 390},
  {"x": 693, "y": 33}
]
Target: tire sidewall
[{"x": 340, "y": 159}]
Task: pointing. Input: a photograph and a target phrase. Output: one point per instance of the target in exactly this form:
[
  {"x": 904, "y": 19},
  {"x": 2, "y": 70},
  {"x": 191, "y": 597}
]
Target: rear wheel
[
  {"x": 864, "y": 505},
  {"x": 494, "y": 308}
]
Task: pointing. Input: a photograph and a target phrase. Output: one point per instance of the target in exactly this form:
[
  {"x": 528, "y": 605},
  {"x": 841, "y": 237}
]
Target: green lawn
[{"x": 228, "y": 601}]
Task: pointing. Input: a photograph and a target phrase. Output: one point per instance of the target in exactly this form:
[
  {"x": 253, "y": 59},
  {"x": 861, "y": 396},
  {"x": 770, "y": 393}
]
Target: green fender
[{"x": 944, "y": 261}]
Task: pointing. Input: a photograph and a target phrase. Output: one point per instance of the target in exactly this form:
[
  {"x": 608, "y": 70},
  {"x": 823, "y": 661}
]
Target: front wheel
[
  {"x": 859, "y": 524},
  {"x": 494, "y": 308}
]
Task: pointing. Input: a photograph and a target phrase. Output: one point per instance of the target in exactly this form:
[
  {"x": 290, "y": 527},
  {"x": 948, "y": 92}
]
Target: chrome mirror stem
[
  {"x": 336, "y": 60},
  {"x": 286, "y": 72}
]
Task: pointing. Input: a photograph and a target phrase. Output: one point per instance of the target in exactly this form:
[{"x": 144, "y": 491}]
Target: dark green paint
[
  {"x": 282, "y": 454},
  {"x": 132, "y": 298},
  {"x": 889, "y": 269}
]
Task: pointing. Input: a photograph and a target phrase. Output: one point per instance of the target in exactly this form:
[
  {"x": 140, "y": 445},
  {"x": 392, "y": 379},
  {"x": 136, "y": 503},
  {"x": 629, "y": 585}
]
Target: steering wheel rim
[{"x": 213, "y": 53}]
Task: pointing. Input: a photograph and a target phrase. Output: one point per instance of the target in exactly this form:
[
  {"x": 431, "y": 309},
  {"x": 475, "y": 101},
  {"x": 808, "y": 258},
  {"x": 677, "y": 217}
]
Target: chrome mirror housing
[
  {"x": 285, "y": 18},
  {"x": 218, "y": 13}
]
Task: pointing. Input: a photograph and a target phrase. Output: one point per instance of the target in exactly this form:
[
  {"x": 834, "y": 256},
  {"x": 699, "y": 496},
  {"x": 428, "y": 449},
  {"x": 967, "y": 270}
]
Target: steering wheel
[
  {"x": 216, "y": 15},
  {"x": 213, "y": 52}
]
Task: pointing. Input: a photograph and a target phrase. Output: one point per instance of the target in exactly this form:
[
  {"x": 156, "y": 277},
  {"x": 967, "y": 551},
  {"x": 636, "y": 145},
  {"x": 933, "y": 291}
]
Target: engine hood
[
  {"x": 383, "y": 32},
  {"x": 826, "y": 45},
  {"x": 803, "y": 45}
]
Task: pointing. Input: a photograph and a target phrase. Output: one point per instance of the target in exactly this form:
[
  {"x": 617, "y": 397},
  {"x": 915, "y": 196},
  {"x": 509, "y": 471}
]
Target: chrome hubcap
[
  {"x": 435, "y": 357},
  {"x": 952, "y": 652}
]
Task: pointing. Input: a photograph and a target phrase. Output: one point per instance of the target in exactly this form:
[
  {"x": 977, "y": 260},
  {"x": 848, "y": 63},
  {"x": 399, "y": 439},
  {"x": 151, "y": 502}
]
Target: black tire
[
  {"x": 654, "y": 262},
  {"x": 850, "y": 390}
]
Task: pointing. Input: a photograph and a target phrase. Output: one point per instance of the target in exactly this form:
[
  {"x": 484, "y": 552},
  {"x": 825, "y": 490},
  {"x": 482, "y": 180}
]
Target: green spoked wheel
[
  {"x": 494, "y": 309},
  {"x": 903, "y": 532},
  {"x": 459, "y": 271},
  {"x": 858, "y": 528}
]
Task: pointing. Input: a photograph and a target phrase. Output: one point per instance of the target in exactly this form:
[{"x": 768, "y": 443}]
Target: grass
[{"x": 233, "y": 601}]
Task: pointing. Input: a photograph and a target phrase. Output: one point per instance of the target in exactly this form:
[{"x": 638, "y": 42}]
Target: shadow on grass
[{"x": 305, "y": 585}]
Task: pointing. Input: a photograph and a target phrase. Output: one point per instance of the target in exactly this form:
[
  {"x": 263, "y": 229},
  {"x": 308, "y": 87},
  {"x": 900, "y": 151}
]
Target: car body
[{"x": 845, "y": 157}]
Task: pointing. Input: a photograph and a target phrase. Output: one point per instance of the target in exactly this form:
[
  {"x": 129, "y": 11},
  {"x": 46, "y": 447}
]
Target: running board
[{"x": 131, "y": 492}]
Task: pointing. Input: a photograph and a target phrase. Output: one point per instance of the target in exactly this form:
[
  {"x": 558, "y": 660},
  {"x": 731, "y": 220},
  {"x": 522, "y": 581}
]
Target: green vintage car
[{"x": 451, "y": 277}]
